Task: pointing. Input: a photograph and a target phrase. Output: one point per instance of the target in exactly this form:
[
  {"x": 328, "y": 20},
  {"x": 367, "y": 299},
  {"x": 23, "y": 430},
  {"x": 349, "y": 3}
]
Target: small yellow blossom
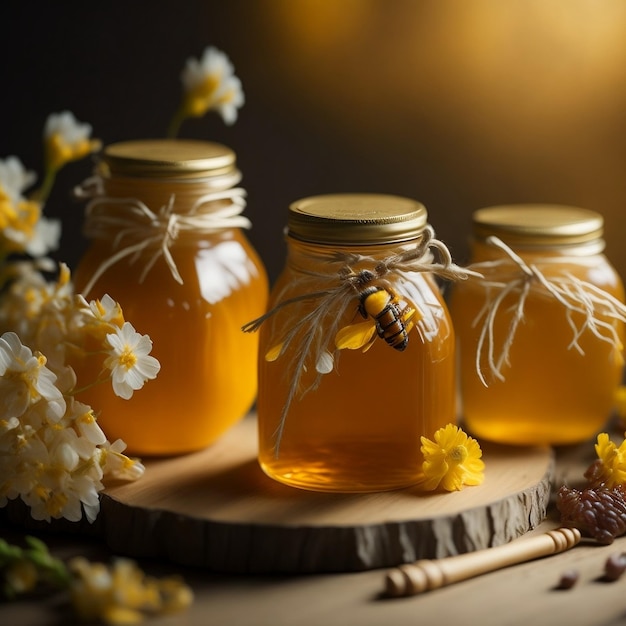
[
  {"x": 117, "y": 594},
  {"x": 209, "y": 83},
  {"x": 452, "y": 460},
  {"x": 122, "y": 593},
  {"x": 21, "y": 576},
  {"x": 610, "y": 469}
]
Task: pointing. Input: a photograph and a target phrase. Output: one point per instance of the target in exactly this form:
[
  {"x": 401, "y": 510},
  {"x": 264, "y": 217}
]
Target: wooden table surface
[{"x": 522, "y": 594}]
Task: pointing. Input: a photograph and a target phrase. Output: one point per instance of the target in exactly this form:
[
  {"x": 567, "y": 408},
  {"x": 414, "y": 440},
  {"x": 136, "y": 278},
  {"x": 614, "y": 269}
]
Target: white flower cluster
[
  {"x": 53, "y": 453},
  {"x": 22, "y": 226}
]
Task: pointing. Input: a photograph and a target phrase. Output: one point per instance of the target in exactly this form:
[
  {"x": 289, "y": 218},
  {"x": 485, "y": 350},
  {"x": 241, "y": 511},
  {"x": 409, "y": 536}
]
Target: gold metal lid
[
  {"x": 353, "y": 219},
  {"x": 167, "y": 158},
  {"x": 538, "y": 224}
]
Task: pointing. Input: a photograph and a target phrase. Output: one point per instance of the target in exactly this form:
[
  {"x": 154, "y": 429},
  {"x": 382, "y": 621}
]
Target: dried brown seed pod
[
  {"x": 568, "y": 579},
  {"x": 615, "y": 566},
  {"x": 599, "y": 512},
  {"x": 595, "y": 475}
]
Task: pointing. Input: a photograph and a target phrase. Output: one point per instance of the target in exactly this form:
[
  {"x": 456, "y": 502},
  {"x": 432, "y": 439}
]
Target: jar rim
[
  {"x": 538, "y": 224},
  {"x": 356, "y": 219},
  {"x": 167, "y": 158}
]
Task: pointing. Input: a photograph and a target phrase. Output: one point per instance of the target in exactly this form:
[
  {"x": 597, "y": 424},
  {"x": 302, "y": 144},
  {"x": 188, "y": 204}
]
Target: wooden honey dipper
[{"x": 426, "y": 574}]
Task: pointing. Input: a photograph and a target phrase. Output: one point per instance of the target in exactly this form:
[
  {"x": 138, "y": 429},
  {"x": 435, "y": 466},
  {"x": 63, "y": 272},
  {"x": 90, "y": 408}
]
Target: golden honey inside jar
[
  {"x": 356, "y": 355},
  {"x": 168, "y": 245},
  {"x": 540, "y": 334}
]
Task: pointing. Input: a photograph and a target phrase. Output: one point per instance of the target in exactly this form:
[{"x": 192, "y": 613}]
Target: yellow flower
[
  {"x": 452, "y": 460},
  {"x": 122, "y": 593},
  {"x": 611, "y": 466},
  {"x": 21, "y": 576}
]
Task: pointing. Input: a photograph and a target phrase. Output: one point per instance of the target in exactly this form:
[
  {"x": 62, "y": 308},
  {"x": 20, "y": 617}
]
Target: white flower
[
  {"x": 67, "y": 127},
  {"x": 25, "y": 379},
  {"x": 14, "y": 179},
  {"x": 210, "y": 83},
  {"x": 40, "y": 312},
  {"x": 129, "y": 360},
  {"x": 107, "y": 310},
  {"x": 18, "y": 215},
  {"x": 86, "y": 422},
  {"x": 46, "y": 237},
  {"x": 67, "y": 139},
  {"x": 118, "y": 465}
]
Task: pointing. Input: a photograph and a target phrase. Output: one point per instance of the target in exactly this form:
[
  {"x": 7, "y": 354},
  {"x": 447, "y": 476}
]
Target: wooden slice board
[{"x": 216, "y": 509}]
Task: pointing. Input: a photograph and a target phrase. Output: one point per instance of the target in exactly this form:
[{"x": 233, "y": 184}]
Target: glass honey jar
[
  {"x": 540, "y": 332},
  {"x": 164, "y": 219},
  {"x": 356, "y": 354}
]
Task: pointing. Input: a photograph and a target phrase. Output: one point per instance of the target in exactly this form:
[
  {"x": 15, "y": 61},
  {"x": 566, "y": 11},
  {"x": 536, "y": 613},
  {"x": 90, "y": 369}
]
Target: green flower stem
[
  {"x": 49, "y": 569},
  {"x": 175, "y": 123},
  {"x": 41, "y": 194}
]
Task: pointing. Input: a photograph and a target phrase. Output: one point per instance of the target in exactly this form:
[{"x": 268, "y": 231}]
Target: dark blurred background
[{"x": 457, "y": 103}]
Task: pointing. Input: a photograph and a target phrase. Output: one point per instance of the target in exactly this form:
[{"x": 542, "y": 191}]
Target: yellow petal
[
  {"x": 355, "y": 336},
  {"x": 273, "y": 353}
]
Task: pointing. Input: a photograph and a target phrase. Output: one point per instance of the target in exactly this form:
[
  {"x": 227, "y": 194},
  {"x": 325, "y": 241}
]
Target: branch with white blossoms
[
  {"x": 23, "y": 227},
  {"x": 53, "y": 454},
  {"x": 209, "y": 83}
]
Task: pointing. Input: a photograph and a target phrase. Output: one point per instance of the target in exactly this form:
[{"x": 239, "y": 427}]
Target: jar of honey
[
  {"x": 540, "y": 333},
  {"x": 165, "y": 224},
  {"x": 356, "y": 354}
]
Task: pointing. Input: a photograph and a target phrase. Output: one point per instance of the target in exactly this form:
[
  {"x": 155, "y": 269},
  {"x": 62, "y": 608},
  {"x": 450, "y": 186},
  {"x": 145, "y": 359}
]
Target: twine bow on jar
[
  {"x": 585, "y": 306},
  {"x": 133, "y": 227}
]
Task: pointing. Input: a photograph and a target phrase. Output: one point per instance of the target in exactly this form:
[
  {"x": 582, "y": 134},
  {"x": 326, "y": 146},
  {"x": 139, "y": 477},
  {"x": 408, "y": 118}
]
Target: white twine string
[
  {"x": 119, "y": 219},
  {"x": 577, "y": 298},
  {"x": 317, "y": 329}
]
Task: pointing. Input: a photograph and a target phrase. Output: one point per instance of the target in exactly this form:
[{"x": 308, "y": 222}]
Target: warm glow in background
[{"x": 457, "y": 103}]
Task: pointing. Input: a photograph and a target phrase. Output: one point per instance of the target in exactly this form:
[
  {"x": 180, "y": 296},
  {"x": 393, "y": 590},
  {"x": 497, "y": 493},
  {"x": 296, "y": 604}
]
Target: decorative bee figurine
[{"x": 386, "y": 317}]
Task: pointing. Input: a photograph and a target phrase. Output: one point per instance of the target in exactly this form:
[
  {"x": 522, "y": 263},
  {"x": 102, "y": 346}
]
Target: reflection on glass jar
[
  {"x": 165, "y": 222},
  {"x": 540, "y": 334},
  {"x": 357, "y": 350}
]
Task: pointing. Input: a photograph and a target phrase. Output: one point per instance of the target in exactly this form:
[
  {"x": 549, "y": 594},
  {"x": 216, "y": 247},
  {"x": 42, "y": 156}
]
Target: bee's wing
[{"x": 355, "y": 336}]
